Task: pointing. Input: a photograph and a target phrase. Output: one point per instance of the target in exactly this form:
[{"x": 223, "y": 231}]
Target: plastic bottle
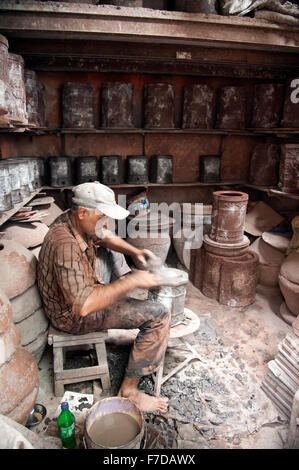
[{"x": 66, "y": 427}]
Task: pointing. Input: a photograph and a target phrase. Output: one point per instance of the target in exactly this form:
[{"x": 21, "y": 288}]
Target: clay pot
[
  {"x": 264, "y": 165},
  {"x": 198, "y": 107},
  {"x": 15, "y": 91},
  {"x": 290, "y": 291},
  {"x": 231, "y": 281},
  {"x": 23, "y": 169},
  {"x": 77, "y": 105},
  {"x": 267, "y": 105},
  {"x": 289, "y": 168},
  {"x": 228, "y": 216},
  {"x": 112, "y": 169},
  {"x": 153, "y": 234},
  {"x": 117, "y": 104},
  {"x": 31, "y": 97},
  {"x": 161, "y": 169},
  {"x": 5, "y": 188},
  {"x": 270, "y": 260},
  {"x": 289, "y": 282},
  {"x": 137, "y": 169},
  {"x": 290, "y": 110},
  {"x": 3, "y": 74},
  {"x": 231, "y": 108},
  {"x": 159, "y": 106},
  {"x": 182, "y": 242},
  {"x": 60, "y": 171},
  {"x": 209, "y": 168},
  {"x": 86, "y": 169},
  {"x": 18, "y": 369}
]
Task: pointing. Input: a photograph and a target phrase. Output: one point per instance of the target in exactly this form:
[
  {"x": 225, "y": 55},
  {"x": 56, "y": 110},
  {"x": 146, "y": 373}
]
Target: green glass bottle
[{"x": 66, "y": 427}]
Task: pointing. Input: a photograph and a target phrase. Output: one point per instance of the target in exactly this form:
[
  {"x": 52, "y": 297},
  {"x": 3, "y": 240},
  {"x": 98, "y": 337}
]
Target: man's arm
[
  {"x": 115, "y": 243},
  {"x": 104, "y": 296}
]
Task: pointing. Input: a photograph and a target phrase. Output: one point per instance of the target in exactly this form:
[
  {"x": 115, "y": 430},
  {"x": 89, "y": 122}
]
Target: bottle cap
[{"x": 64, "y": 405}]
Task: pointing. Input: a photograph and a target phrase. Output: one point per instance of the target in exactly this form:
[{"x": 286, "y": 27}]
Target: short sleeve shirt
[{"x": 66, "y": 272}]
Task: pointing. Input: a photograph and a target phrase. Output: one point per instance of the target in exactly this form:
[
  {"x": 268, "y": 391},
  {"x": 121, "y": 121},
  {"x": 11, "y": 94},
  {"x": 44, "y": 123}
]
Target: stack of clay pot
[
  {"x": 18, "y": 369},
  {"x": 289, "y": 277},
  {"x": 18, "y": 282},
  {"x": 224, "y": 269}
]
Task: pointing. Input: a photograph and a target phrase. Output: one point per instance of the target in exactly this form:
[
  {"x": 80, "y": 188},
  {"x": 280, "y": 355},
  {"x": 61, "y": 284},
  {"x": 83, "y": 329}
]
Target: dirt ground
[{"x": 216, "y": 401}]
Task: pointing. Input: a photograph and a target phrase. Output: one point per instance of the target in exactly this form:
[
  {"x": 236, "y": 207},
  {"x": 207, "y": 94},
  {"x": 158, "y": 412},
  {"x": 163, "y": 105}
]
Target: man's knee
[{"x": 159, "y": 310}]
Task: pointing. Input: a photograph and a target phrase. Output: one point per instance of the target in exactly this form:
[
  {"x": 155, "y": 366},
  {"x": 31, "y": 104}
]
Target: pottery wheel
[{"x": 193, "y": 323}]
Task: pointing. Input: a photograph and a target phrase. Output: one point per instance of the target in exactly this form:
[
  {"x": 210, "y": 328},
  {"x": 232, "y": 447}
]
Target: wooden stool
[{"x": 61, "y": 340}]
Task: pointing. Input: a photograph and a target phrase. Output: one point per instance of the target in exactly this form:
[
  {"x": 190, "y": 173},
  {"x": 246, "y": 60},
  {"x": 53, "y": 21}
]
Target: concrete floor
[{"x": 226, "y": 407}]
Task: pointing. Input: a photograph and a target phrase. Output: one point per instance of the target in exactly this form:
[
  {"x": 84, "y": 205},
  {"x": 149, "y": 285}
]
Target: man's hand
[
  {"x": 144, "y": 279},
  {"x": 144, "y": 256}
]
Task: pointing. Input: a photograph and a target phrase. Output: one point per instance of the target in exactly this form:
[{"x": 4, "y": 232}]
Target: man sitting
[{"x": 76, "y": 298}]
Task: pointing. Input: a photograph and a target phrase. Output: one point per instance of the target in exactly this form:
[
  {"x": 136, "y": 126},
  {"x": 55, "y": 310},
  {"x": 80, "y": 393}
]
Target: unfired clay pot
[{"x": 289, "y": 282}]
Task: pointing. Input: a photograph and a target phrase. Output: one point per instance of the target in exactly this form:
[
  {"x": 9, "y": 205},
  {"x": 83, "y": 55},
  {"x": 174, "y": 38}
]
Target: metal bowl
[{"x": 37, "y": 415}]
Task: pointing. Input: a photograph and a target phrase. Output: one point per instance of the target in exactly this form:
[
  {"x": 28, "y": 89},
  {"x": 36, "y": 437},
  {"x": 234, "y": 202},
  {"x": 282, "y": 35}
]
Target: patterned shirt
[{"x": 65, "y": 272}]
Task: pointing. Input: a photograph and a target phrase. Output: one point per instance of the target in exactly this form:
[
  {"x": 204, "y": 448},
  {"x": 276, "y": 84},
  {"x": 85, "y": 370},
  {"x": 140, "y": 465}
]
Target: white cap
[{"x": 98, "y": 196}]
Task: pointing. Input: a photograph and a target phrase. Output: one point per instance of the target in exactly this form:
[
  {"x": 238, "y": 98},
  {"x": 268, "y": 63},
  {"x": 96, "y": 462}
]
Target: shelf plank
[
  {"x": 276, "y": 192},
  {"x": 162, "y": 185},
  {"x": 245, "y": 132}
]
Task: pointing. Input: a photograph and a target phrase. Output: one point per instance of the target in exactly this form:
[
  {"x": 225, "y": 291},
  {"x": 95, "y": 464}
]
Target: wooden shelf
[
  {"x": 33, "y": 130},
  {"x": 157, "y": 185},
  {"x": 6, "y": 215},
  {"x": 276, "y": 192}
]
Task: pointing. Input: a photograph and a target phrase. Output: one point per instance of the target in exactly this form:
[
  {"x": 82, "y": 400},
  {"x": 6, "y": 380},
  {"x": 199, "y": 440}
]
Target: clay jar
[
  {"x": 77, "y": 105},
  {"x": 3, "y": 73},
  {"x": 117, "y": 104},
  {"x": 289, "y": 282},
  {"x": 153, "y": 234},
  {"x": 290, "y": 110},
  {"x": 31, "y": 97},
  {"x": 228, "y": 216},
  {"x": 270, "y": 260},
  {"x": 15, "y": 91},
  {"x": 264, "y": 165},
  {"x": 86, "y": 169},
  {"x": 159, "y": 106},
  {"x": 231, "y": 108},
  {"x": 18, "y": 369},
  {"x": 267, "y": 105},
  {"x": 198, "y": 107},
  {"x": 289, "y": 168}
]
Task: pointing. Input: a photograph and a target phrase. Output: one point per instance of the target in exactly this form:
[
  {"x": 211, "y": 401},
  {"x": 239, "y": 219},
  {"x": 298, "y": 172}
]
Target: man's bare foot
[{"x": 145, "y": 402}]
